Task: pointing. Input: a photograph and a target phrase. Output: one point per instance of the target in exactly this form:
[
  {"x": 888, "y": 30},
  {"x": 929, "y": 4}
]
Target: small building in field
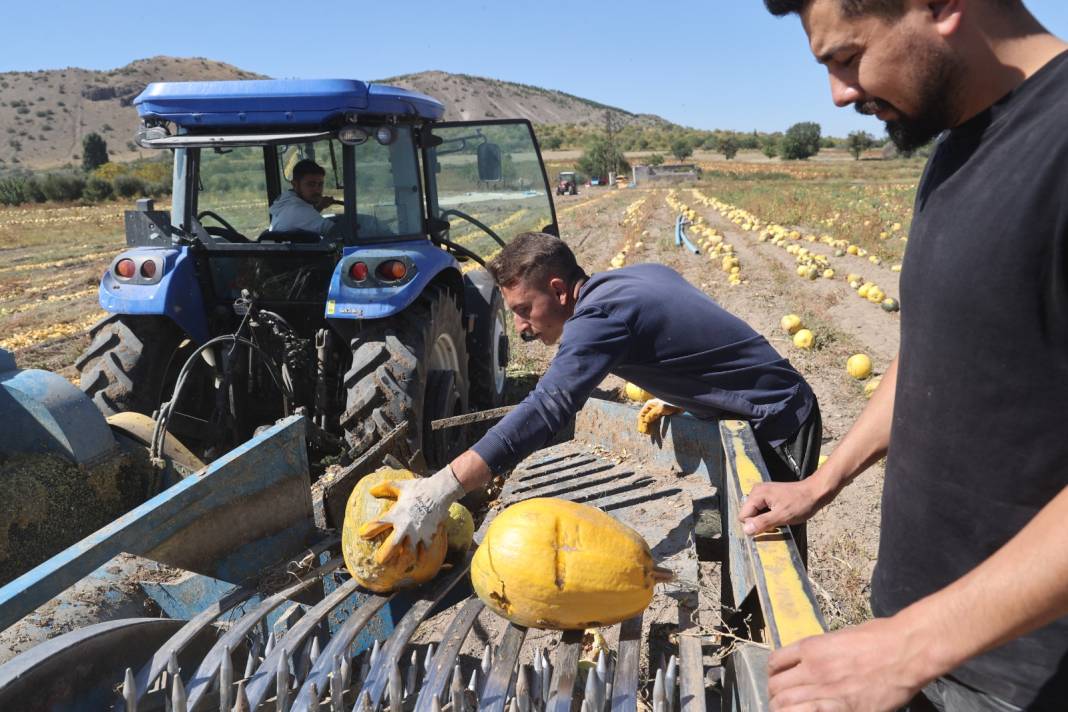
[{"x": 667, "y": 172}]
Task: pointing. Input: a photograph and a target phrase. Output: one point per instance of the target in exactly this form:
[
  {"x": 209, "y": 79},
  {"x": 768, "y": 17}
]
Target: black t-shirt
[{"x": 979, "y": 442}]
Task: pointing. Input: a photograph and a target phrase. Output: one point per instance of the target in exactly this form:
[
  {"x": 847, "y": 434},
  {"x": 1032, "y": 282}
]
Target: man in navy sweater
[{"x": 644, "y": 323}]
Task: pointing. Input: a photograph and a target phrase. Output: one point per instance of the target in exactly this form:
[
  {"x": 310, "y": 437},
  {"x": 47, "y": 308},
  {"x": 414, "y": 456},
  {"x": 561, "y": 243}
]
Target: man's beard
[{"x": 937, "y": 99}]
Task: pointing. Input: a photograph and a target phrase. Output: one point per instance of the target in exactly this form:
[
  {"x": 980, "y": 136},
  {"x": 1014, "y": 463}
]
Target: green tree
[
  {"x": 552, "y": 141},
  {"x": 749, "y": 141},
  {"x": 94, "y": 152},
  {"x": 859, "y": 142},
  {"x": 801, "y": 141},
  {"x": 769, "y": 145},
  {"x": 602, "y": 157},
  {"x": 681, "y": 149},
  {"x": 656, "y": 159},
  {"x": 728, "y": 146}
]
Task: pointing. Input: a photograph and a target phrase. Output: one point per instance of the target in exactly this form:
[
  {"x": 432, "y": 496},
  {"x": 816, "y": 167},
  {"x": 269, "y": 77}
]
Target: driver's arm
[{"x": 327, "y": 201}]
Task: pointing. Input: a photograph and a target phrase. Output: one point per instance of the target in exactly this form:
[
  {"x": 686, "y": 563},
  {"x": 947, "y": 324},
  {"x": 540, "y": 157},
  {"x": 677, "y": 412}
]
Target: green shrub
[
  {"x": 159, "y": 189},
  {"x": 62, "y": 187},
  {"x": 14, "y": 191},
  {"x": 97, "y": 189},
  {"x": 36, "y": 190},
  {"x": 128, "y": 186}
]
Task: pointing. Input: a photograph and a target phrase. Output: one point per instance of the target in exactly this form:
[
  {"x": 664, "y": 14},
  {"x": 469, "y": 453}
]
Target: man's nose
[
  {"x": 521, "y": 325},
  {"x": 844, "y": 91}
]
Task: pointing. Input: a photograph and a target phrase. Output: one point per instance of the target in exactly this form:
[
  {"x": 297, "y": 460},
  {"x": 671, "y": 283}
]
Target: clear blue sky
[{"x": 702, "y": 63}]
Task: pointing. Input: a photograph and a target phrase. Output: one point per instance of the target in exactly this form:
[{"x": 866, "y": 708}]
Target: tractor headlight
[
  {"x": 352, "y": 135},
  {"x": 385, "y": 135}
]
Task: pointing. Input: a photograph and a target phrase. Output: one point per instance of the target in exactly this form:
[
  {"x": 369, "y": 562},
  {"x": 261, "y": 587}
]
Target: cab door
[{"x": 486, "y": 183}]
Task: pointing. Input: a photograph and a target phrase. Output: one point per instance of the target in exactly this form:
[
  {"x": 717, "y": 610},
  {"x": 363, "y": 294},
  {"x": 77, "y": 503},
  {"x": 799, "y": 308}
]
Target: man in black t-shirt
[{"x": 971, "y": 585}]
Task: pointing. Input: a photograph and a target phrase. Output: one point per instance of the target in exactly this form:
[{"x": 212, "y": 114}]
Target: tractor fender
[
  {"x": 174, "y": 292},
  {"x": 478, "y": 296},
  {"x": 376, "y": 298}
]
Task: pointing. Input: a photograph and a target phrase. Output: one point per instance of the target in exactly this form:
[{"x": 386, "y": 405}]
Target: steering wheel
[{"x": 227, "y": 232}]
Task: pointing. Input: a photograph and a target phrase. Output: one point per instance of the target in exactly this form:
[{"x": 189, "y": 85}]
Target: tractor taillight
[
  {"x": 358, "y": 271},
  {"x": 148, "y": 269},
  {"x": 392, "y": 270},
  {"x": 125, "y": 268}
]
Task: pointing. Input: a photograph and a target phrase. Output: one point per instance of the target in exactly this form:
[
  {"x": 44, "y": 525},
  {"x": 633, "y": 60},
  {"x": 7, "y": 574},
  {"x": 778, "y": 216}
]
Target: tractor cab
[{"x": 307, "y": 315}]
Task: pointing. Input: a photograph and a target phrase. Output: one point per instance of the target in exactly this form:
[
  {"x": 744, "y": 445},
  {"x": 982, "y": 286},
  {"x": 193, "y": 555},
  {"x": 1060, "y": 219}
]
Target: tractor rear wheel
[
  {"x": 410, "y": 367},
  {"x": 126, "y": 363}
]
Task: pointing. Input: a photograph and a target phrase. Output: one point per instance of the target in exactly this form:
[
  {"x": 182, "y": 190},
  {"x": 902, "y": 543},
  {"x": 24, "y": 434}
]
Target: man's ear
[
  {"x": 560, "y": 290},
  {"x": 946, "y": 15}
]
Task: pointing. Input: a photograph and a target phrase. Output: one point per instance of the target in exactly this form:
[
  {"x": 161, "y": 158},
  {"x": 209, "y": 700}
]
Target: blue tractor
[{"x": 373, "y": 326}]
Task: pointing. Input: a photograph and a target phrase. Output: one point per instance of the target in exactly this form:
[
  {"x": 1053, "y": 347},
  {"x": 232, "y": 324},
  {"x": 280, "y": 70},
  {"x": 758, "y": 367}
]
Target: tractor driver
[
  {"x": 300, "y": 208},
  {"x": 644, "y": 323}
]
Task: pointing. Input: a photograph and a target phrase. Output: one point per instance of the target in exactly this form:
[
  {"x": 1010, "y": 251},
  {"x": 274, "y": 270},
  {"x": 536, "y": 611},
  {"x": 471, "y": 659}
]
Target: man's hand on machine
[
  {"x": 653, "y": 410},
  {"x": 420, "y": 507},
  {"x": 775, "y": 504}
]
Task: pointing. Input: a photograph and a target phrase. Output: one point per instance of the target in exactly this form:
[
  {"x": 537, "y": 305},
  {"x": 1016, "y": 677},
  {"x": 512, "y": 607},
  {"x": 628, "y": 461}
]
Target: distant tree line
[
  {"x": 98, "y": 180},
  {"x": 800, "y": 141}
]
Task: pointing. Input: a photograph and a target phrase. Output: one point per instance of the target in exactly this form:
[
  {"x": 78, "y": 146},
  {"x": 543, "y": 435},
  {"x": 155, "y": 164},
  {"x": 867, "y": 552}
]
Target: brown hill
[
  {"x": 45, "y": 114},
  {"x": 468, "y": 97}
]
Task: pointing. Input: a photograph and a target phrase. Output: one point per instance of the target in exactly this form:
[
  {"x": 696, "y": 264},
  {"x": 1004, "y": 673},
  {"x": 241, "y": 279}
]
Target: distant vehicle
[{"x": 566, "y": 183}]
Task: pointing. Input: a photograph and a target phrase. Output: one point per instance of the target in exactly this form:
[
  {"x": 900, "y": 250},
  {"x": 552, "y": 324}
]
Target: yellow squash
[
  {"x": 790, "y": 323},
  {"x": 460, "y": 527},
  {"x": 551, "y": 563},
  {"x": 636, "y": 393},
  {"x": 859, "y": 366},
  {"x": 409, "y": 567},
  {"x": 804, "y": 339}
]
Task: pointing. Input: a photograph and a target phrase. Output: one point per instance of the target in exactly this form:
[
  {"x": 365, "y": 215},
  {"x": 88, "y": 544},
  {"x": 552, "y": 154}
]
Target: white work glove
[
  {"x": 420, "y": 507},
  {"x": 653, "y": 410}
]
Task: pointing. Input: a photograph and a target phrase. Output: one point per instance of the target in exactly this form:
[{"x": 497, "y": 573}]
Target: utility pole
[{"x": 610, "y": 134}]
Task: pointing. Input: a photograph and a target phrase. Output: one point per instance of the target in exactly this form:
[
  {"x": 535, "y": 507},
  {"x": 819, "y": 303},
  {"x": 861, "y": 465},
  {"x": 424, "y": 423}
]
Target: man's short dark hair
[
  {"x": 857, "y": 8},
  {"x": 307, "y": 167},
  {"x": 535, "y": 257}
]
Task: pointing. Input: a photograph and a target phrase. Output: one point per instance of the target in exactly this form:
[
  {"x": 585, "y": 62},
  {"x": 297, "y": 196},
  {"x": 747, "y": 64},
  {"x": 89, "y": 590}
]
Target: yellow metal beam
[{"x": 786, "y": 597}]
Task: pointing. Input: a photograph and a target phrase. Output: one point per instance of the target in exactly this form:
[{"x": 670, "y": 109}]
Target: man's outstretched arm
[
  {"x": 881, "y": 664},
  {"x": 592, "y": 344},
  {"x": 775, "y": 504}
]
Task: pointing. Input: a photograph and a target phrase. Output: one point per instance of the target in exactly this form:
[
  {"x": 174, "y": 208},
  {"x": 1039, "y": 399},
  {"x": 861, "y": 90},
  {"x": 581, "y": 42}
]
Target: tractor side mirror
[{"x": 489, "y": 162}]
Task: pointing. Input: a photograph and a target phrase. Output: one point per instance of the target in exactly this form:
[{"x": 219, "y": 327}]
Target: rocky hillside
[
  {"x": 45, "y": 114},
  {"x": 467, "y": 97}
]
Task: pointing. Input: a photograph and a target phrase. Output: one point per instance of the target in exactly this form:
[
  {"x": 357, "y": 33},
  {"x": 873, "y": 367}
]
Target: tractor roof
[{"x": 278, "y": 102}]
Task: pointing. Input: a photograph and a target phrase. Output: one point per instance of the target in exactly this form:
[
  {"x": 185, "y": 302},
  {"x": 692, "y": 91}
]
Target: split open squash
[{"x": 409, "y": 567}]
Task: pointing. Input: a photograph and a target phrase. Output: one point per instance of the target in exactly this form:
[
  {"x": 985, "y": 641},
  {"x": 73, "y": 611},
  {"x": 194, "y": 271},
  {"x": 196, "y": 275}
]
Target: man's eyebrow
[{"x": 829, "y": 54}]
